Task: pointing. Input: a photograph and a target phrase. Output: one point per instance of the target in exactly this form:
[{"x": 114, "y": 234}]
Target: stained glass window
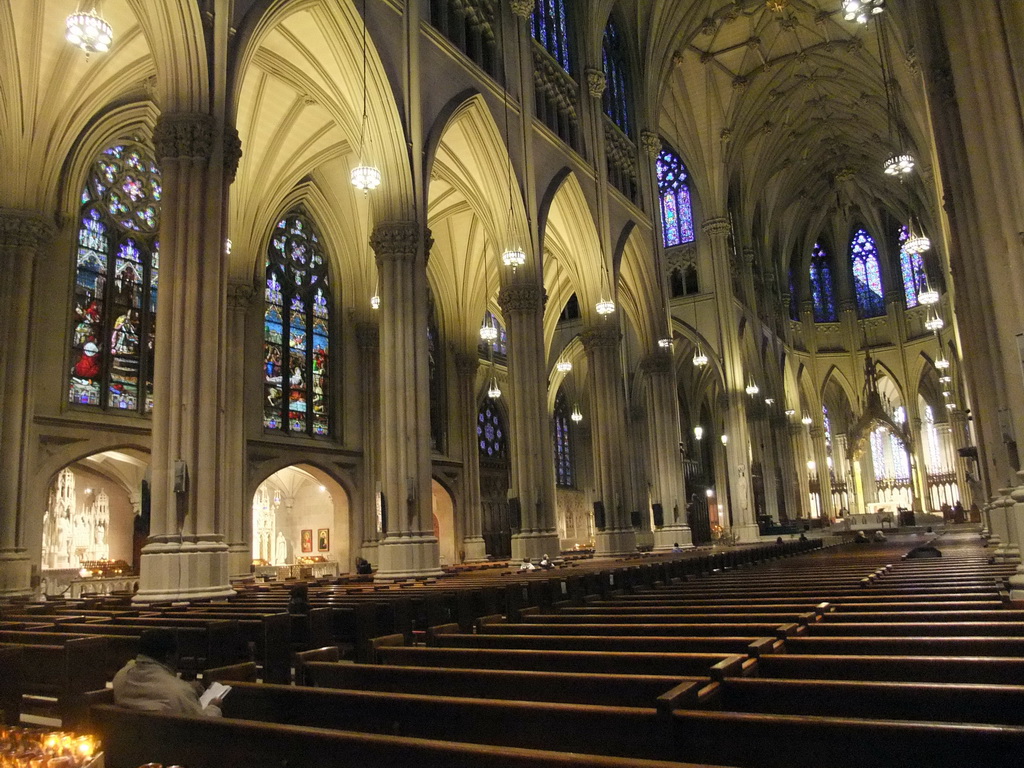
[
  {"x": 867, "y": 277},
  {"x": 676, "y": 212},
  {"x": 878, "y": 454},
  {"x": 114, "y": 308},
  {"x": 613, "y": 60},
  {"x": 296, "y": 330},
  {"x": 549, "y": 27},
  {"x": 500, "y": 345},
  {"x": 821, "y": 286},
  {"x": 900, "y": 459},
  {"x": 490, "y": 431},
  {"x": 912, "y": 268},
  {"x": 565, "y": 475}
]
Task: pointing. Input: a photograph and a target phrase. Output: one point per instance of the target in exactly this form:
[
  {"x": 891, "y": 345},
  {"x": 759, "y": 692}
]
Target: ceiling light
[
  {"x": 698, "y": 432},
  {"x": 934, "y": 323},
  {"x": 514, "y": 258},
  {"x": 725, "y": 439},
  {"x": 790, "y": 412},
  {"x": 375, "y": 301},
  {"x": 487, "y": 331},
  {"x": 699, "y": 358},
  {"x": 605, "y": 307},
  {"x": 806, "y": 421},
  {"x": 576, "y": 415},
  {"x": 752, "y": 388},
  {"x": 89, "y": 32},
  {"x": 493, "y": 391},
  {"x": 899, "y": 165},
  {"x": 942, "y": 363},
  {"x": 365, "y": 177},
  {"x": 563, "y": 366},
  {"x": 665, "y": 343}
]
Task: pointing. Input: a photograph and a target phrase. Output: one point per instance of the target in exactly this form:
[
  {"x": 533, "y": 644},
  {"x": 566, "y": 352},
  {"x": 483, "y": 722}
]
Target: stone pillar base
[
  {"x": 535, "y": 545},
  {"x": 368, "y": 551},
  {"x": 239, "y": 560},
  {"x": 1007, "y": 553},
  {"x": 474, "y": 549},
  {"x": 1017, "y": 585},
  {"x": 615, "y": 542},
  {"x": 666, "y": 538},
  {"x": 15, "y": 573},
  {"x": 183, "y": 571},
  {"x": 747, "y": 534},
  {"x": 408, "y": 556}
]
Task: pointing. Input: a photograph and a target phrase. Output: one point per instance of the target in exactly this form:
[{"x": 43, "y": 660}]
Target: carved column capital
[
  {"x": 596, "y": 82},
  {"x": 184, "y": 135},
  {"x": 847, "y": 305},
  {"x": 367, "y": 335},
  {"x": 521, "y": 8},
  {"x": 650, "y": 142},
  {"x": 817, "y": 433},
  {"x": 241, "y": 295},
  {"x": 466, "y": 364},
  {"x": 396, "y": 240},
  {"x": 520, "y": 297},
  {"x": 717, "y": 226},
  {"x": 21, "y": 229},
  {"x": 600, "y": 338},
  {"x": 232, "y": 152}
]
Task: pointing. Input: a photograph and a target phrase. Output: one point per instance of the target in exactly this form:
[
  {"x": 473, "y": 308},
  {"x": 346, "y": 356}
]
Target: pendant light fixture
[
  {"x": 493, "y": 391},
  {"x": 862, "y": 10},
  {"x": 488, "y": 331},
  {"x": 901, "y": 162},
  {"x": 513, "y": 256},
  {"x": 364, "y": 176},
  {"x": 576, "y": 416},
  {"x": 89, "y": 31},
  {"x": 752, "y": 388},
  {"x": 563, "y": 366}
]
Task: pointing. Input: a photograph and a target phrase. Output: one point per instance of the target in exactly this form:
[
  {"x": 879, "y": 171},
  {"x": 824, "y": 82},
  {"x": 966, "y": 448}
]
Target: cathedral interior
[{"x": 541, "y": 277}]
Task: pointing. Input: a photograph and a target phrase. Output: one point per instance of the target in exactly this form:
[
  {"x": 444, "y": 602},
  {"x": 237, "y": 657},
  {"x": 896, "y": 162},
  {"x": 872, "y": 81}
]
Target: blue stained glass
[
  {"x": 549, "y": 27},
  {"x": 490, "y": 431},
  {"x": 676, "y": 209},
  {"x": 613, "y": 59},
  {"x": 912, "y": 269},
  {"x": 293, "y": 306},
  {"x": 821, "y": 286},
  {"x": 867, "y": 277},
  {"x": 564, "y": 468}
]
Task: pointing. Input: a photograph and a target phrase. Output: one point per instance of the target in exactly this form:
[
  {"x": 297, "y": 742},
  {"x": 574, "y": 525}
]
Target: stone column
[
  {"x": 22, "y": 236},
  {"x": 821, "y": 463},
  {"x": 533, "y": 461},
  {"x": 740, "y": 492},
  {"x": 368, "y": 340},
  {"x": 1004, "y": 526},
  {"x": 186, "y": 556},
  {"x": 473, "y": 545},
  {"x": 669, "y": 486},
  {"x": 238, "y": 508},
  {"x": 918, "y": 466},
  {"x": 959, "y": 438},
  {"x": 616, "y": 535},
  {"x": 409, "y": 547},
  {"x": 797, "y": 472}
]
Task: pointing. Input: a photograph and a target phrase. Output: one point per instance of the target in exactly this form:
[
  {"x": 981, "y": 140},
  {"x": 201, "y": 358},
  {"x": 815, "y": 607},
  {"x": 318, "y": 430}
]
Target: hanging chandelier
[
  {"x": 563, "y": 366},
  {"x": 699, "y": 358},
  {"x": 576, "y": 416},
  {"x": 769, "y": 401},
  {"x": 364, "y": 176},
  {"x": 899, "y": 164},
  {"x": 790, "y": 412},
  {"x": 942, "y": 363},
  {"x": 493, "y": 391},
  {"x": 89, "y": 32},
  {"x": 916, "y": 243},
  {"x": 934, "y": 323},
  {"x": 698, "y": 432},
  {"x": 752, "y": 388},
  {"x": 806, "y": 421},
  {"x": 945, "y": 379},
  {"x": 928, "y": 295},
  {"x": 488, "y": 332},
  {"x": 375, "y": 301},
  {"x": 605, "y": 307},
  {"x": 665, "y": 343},
  {"x": 862, "y": 10}
]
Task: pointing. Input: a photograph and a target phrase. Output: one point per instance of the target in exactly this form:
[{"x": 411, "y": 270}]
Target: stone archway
[{"x": 444, "y": 523}]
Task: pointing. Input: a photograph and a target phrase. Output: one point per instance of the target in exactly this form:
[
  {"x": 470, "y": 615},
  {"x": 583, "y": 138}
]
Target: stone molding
[
  {"x": 847, "y": 305},
  {"x": 717, "y": 226},
  {"x": 397, "y": 240},
  {"x": 596, "y": 82},
  {"x": 521, "y": 297},
  {"x": 467, "y": 363},
  {"x": 367, "y": 335},
  {"x": 24, "y": 229},
  {"x": 184, "y": 135},
  {"x": 241, "y": 295},
  {"x": 521, "y": 8},
  {"x": 600, "y": 338},
  {"x": 650, "y": 143}
]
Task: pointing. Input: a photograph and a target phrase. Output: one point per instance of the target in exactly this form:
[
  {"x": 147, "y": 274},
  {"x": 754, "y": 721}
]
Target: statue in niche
[{"x": 281, "y": 550}]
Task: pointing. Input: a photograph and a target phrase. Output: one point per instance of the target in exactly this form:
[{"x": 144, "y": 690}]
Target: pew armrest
[
  {"x": 382, "y": 642},
  {"x": 244, "y": 672},
  {"x": 683, "y": 696},
  {"x": 731, "y": 666}
]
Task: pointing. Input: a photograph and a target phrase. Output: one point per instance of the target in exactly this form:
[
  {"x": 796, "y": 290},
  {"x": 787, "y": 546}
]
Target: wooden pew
[
  {"x": 12, "y": 683},
  {"x": 133, "y": 738},
  {"x": 647, "y": 663},
  {"x": 615, "y": 731},
  {"x": 896, "y": 627},
  {"x": 938, "y": 702},
  {"x": 801, "y": 741},
  {"x": 62, "y": 670},
  {"x": 910, "y": 646},
  {"x": 598, "y": 642},
  {"x": 566, "y": 687},
  {"x": 922, "y": 669}
]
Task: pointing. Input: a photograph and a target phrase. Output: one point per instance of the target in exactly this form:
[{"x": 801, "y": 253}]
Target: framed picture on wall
[
  {"x": 307, "y": 540},
  {"x": 323, "y": 540}
]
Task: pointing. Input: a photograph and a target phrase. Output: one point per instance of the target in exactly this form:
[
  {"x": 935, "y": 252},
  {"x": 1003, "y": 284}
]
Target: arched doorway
[
  {"x": 96, "y": 519},
  {"x": 300, "y": 513},
  {"x": 444, "y": 523}
]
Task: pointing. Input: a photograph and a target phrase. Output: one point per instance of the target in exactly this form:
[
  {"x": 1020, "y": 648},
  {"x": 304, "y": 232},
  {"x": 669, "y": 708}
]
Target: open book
[{"x": 215, "y": 691}]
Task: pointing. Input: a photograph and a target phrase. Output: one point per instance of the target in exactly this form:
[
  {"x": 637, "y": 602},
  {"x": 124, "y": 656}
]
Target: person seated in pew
[
  {"x": 546, "y": 564},
  {"x": 860, "y": 538},
  {"x": 676, "y": 547},
  {"x": 803, "y": 537},
  {"x": 526, "y": 565},
  {"x": 149, "y": 683},
  {"x": 879, "y": 536},
  {"x": 298, "y": 599},
  {"x": 363, "y": 567}
]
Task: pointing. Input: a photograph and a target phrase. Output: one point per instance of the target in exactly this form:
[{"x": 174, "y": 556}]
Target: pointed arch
[
  {"x": 674, "y": 195},
  {"x": 640, "y": 288},
  {"x": 822, "y": 289},
  {"x": 867, "y": 274}
]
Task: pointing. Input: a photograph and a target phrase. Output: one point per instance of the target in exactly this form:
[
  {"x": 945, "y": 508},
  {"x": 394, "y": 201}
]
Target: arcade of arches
[{"x": 632, "y": 276}]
